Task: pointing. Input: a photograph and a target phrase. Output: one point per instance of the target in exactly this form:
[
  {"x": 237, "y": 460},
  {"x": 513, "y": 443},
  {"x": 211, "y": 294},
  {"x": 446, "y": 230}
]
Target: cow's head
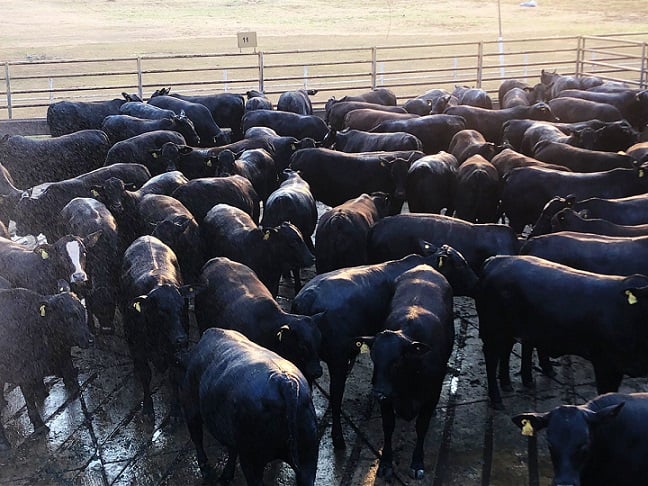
[
  {"x": 452, "y": 265},
  {"x": 543, "y": 225},
  {"x": 569, "y": 436},
  {"x": 67, "y": 318},
  {"x": 183, "y": 125},
  {"x": 286, "y": 244},
  {"x": 298, "y": 340}
]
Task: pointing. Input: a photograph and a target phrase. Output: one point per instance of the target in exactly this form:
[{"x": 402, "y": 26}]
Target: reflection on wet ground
[{"x": 98, "y": 436}]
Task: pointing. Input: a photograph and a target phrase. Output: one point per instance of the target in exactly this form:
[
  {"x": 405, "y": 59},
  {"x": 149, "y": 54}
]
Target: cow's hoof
[
  {"x": 41, "y": 430},
  {"x": 338, "y": 443},
  {"x": 385, "y": 471},
  {"x": 417, "y": 474}
]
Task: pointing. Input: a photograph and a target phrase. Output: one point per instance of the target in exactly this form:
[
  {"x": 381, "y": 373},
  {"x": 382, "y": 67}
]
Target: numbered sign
[{"x": 247, "y": 39}]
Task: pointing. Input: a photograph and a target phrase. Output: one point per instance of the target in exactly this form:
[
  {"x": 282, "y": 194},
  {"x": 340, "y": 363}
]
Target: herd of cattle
[{"x": 537, "y": 209}]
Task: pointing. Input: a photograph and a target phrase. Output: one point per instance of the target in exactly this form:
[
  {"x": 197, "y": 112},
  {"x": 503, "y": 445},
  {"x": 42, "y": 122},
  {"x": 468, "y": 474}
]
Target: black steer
[
  {"x": 36, "y": 335},
  {"x": 253, "y": 402},
  {"x": 431, "y": 184},
  {"x": 234, "y": 298}
]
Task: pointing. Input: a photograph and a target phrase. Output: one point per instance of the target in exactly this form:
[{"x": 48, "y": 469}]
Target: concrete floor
[{"x": 98, "y": 437}]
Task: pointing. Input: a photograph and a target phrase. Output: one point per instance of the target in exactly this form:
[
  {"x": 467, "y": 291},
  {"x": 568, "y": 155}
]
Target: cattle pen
[
  {"x": 28, "y": 87},
  {"x": 97, "y": 435}
]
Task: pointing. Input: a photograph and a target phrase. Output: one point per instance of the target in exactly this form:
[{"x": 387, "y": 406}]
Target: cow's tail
[{"x": 290, "y": 391}]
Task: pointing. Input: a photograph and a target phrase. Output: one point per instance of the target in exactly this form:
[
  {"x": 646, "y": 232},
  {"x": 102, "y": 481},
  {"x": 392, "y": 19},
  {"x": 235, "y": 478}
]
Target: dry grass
[{"x": 95, "y": 28}]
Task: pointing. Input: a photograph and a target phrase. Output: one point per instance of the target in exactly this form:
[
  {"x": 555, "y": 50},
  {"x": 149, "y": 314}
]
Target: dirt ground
[{"x": 32, "y": 29}]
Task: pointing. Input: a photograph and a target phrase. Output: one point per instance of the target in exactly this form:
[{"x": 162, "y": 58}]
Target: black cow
[
  {"x": 466, "y": 143},
  {"x": 383, "y": 96},
  {"x": 83, "y": 217},
  {"x": 297, "y": 101},
  {"x": 579, "y": 159},
  {"x": 287, "y": 124},
  {"x": 612, "y": 255},
  {"x": 209, "y": 132},
  {"x": 38, "y": 209},
  {"x": 227, "y": 109},
  {"x": 293, "y": 202},
  {"x": 431, "y": 184},
  {"x": 474, "y": 97},
  {"x": 341, "y": 236},
  {"x": 639, "y": 151},
  {"x": 509, "y": 159},
  {"x": 257, "y": 101},
  {"x": 200, "y": 195},
  {"x": 545, "y": 132},
  {"x": 434, "y": 131},
  {"x": 396, "y": 236},
  {"x": 335, "y": 177},
  {"x": 173, "y": 224},
  {"x": 560, "y": 310},
  {"x": 366, "y": 119},
  {"x": 571, "y": 110},
  {"x": 36, "y": 336},
  {"x": 235, "y": 298},
  {"x": 356, "y": 301},
  {"x": 412, "y": 350},
  {"x": 336, "y": 110},
  {"x": 153, "y": 306},
  {"x": 517, "y": 96},
  {"x": 361, "y": 141},
  {"x": 478, "y": 191},
  {"x": 35, "y": 161},
  {"x": 143, "y": 149},
  {"x": 600, "y": 442},
  {"x": 490, "y": 122},
  {"x": 256, "y": 165},
  {"x": 65, "y": 117},
  {"x": 40, "y": 269},
  {"x": 123, "y": 127},
  {"x": 528, "y": 189},
  {"x": 254, "y": 403},
  {"x": 193, "y": 162},
  {"x": 230, "y": 232},
  {"x": 627, "y": 210},
  {"x": 632, "y": 103},
  {"x": 569, "y": 220},
  {"x": 144, "y": 110}
]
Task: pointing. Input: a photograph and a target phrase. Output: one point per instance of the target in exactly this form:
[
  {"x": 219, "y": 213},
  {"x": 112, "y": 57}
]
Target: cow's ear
[
  {"x": 268, "y": 232},
  {"x": 426, "y": 248},
  {"x": 130, "y": 186},
  {"x": 603, "y": 415},
  {"x": 185, "y": 149},
  {"x": 43, "y": 251},
  {"x": 91, "y": 240},
  {"x": 363, "y": 344},
  {"x": 189, "y": 291},
  {"x": 530, "y": 423},
  {"x": 62, "y": 286}
]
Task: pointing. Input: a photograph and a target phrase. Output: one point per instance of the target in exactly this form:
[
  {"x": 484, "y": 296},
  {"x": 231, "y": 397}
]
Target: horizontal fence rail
[{"x": 28, "y": 87}]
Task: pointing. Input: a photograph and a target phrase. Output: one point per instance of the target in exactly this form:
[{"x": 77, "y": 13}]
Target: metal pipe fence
[{"x": 28, "y": 87}]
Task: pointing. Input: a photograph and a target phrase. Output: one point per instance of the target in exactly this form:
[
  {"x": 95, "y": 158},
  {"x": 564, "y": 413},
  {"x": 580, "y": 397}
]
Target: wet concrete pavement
[{"x": 98, "y": 436}]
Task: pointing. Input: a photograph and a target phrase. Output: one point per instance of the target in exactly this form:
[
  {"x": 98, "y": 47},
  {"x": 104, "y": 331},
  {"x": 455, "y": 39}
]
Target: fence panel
[{"x": 28, "y": 87}]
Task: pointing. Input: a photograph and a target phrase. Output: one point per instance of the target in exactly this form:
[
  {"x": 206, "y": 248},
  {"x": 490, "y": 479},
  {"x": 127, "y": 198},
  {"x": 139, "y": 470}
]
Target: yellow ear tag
[
  {"x": 631, "y": 297},
  {"x": 266, "y": 235},
  {"x": 641, "y": 172},
  {"x": 94, "y": 193},
  {"x": 527, "y": 428},
  {"x": 137, "y": 307},
  {"x": 441, "y": 260},
  {"x": 279, "y": 336},
  {"x": 364, "y": 349},
  {"x": 44, "y": 255},
  {"x": 42, "y": 310},
  {"x": 209, "y": 164},
  {"x": 155, "y": 155}
]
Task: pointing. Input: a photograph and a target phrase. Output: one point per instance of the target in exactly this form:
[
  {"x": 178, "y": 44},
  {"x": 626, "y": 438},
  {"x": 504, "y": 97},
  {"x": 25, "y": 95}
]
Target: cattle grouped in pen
[{"x": 198, "y": 205}]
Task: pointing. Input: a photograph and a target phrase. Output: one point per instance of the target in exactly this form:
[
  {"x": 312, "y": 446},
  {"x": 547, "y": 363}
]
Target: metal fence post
[
  {"x": 644, "y": 66},
  {"x": 480, "y": 64},
  {"x": 140, "y": 83},
  {"x": 8, "y": 81},
  {"x": 580, "y": 56},
  {"x": 374, "y": 70},
  {"x": 260, "y": 57}
]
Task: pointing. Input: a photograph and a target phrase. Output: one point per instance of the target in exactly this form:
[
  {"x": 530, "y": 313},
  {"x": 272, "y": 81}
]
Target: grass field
[{"x": 36, "y": 29}]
